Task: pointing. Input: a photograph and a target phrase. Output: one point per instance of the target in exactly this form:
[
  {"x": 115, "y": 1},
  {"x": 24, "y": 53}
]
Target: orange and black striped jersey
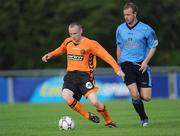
[{"x": 82, "y": 57}]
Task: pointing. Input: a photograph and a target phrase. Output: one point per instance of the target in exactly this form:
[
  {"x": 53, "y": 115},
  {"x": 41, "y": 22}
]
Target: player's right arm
[
  {"x": 119, "y": 44},
  {"x": 118, "y": 53},
  {"x": 59, "y": 51}
]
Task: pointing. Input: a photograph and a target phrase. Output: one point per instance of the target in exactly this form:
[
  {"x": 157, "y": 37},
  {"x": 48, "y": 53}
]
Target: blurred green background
[{"x": 31, "y": 28}]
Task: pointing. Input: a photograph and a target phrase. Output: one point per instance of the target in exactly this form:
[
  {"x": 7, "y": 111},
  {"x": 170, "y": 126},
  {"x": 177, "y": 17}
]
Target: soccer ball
[{"x": 66, "y": 123}]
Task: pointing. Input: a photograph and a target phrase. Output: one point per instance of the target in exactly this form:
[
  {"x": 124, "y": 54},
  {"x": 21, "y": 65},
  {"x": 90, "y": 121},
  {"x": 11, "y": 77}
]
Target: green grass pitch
[{"x": 42, "y": 119}]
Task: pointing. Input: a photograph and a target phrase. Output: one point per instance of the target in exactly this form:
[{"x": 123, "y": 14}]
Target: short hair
[
  {"x": 131, "y": 5},
  {"x": 75, "y": 24}
]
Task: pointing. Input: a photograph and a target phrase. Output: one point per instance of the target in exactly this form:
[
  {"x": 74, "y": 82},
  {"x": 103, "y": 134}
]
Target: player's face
[
  {"x": 75, "y": 33},
  {"x": 129, "y": 16}
]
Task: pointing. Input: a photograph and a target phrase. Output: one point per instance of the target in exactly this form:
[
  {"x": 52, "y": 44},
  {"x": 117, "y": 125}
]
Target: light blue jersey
[{"x": 135, "y": 42}]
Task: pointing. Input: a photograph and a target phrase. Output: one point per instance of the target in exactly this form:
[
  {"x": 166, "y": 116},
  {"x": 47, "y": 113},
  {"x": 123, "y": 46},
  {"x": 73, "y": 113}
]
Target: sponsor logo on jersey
[
  {"x": 75, "y": 57},
  {"x": 130, "y": 44}
]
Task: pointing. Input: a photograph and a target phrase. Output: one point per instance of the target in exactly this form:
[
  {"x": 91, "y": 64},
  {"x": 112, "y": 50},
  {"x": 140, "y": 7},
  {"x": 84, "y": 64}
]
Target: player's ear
[
  {"x": 135, "y": 14},
  {"x": 81, "y": 31}
]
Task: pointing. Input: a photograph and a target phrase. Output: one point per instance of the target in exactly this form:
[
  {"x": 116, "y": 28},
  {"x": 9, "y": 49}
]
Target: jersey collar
[{"x": 132, "y": 26}]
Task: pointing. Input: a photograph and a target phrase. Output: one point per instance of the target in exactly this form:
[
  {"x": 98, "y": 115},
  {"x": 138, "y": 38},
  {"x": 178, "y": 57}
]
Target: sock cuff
[
  {"x": 136, "y": 101},
  {"x": 72, "y": 102},
  {"x": 102, "y": 110}
]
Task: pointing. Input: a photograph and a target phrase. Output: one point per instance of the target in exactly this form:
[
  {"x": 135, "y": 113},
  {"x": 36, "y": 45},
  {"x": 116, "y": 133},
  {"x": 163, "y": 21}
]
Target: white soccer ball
[{"x": 66, "y": 123}]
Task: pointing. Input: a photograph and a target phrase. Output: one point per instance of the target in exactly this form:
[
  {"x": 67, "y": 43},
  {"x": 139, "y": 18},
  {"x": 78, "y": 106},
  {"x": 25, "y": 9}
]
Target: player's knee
[
  {"x": 135, "y": 96},
  {"x": 147, "y": 98},
  {"x": 66, "y": 95},
  {"x": 94, "y": 102}
]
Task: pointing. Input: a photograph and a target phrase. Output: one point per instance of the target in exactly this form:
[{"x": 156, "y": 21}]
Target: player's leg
[
  {"x": 146, "y": 94},
  {"x": 101, "y": 108},
  {"x": 137, "y": 102},
  {"x": 131, "y": 76},
  {"x": 74, "y": 103},
  {"x": 89, "y": 90},
  {"x": 71, "y": 94},
  {"x": 145, "y": 91},
  {"x": 145, "y": 85}
]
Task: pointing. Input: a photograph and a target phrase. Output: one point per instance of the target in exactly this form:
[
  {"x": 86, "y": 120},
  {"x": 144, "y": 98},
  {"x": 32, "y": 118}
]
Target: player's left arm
[
  {"x": 98, "y": 50},
  {"x": 147, "y": 59},
  {"x": 152, "y": 43}
]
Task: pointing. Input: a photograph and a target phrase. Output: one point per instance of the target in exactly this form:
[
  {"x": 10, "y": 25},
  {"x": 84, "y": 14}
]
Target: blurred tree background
[{"x": 31, "y": 28}]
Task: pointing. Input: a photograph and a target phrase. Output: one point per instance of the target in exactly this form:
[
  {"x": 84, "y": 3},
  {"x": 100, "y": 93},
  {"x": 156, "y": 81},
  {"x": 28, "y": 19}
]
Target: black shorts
[
  {"x": 79, "y": 83},
  {"x": 133, "y": 75}
]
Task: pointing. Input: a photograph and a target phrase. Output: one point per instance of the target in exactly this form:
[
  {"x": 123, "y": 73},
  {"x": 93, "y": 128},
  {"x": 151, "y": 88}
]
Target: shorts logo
[{"x": 89, "y": 85}]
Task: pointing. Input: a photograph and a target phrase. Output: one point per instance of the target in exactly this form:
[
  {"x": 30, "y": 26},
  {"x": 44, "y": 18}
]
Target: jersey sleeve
[
  {"x": 99, "y": 51},
  {"x": 118, "y": 39},
  {"x": 60, "y": 50},
  {"x": 152, "y": 40}
]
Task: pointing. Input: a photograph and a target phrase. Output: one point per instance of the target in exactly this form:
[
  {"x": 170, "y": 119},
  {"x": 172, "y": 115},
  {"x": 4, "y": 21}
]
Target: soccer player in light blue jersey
[{"x": 136, "y": 44}]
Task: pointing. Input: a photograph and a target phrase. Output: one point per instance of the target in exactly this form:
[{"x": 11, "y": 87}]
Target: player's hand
[
  {"x": 121, "y": 73},
  {"x": 143, "y": 67},
  {"x": 45, "y": 58}
]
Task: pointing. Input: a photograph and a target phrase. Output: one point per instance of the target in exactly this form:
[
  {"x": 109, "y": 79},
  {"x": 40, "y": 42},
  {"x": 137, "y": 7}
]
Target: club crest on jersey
[
  {"x": 75, "y": 57},
  {"x": 83, "y": 51},
  {"x": 130, "y": 39},
  {"x": 89, "y": 85}
]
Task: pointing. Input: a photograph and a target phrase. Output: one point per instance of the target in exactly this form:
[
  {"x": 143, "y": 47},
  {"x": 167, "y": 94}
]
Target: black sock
[{"x": 139, "y": 107}]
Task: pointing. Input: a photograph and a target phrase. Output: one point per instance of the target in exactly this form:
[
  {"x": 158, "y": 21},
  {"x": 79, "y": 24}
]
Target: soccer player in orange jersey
[{"x": 79, "y": 81}]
